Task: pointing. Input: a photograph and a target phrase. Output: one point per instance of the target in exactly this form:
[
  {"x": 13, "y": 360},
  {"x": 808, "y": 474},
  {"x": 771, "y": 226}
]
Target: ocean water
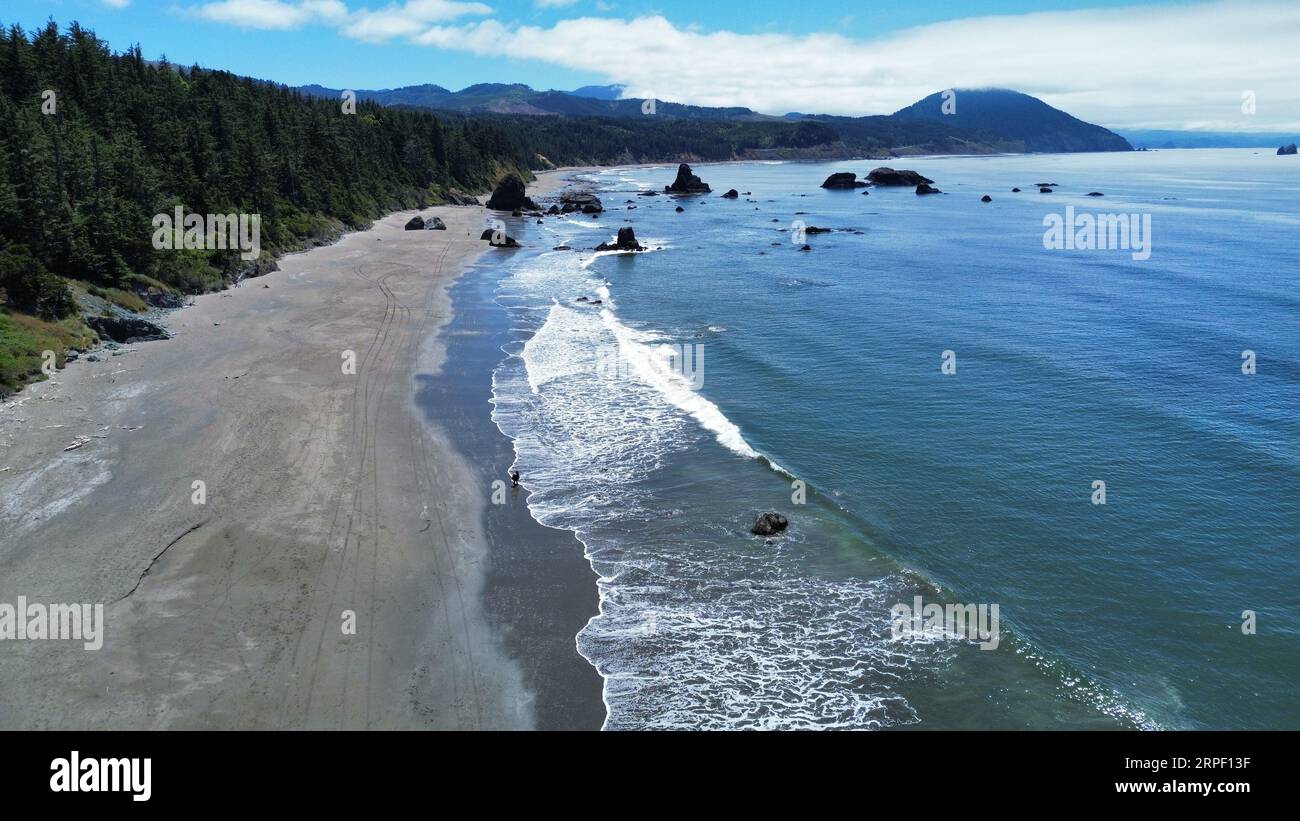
[{"x": 725, "y": 363}]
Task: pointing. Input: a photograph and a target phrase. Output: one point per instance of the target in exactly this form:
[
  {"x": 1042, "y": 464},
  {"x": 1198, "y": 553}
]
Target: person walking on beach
[{"x": 514, "y": 479}]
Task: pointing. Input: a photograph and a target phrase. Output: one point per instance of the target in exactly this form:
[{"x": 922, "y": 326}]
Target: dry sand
[{"x": 325, "y": 493}]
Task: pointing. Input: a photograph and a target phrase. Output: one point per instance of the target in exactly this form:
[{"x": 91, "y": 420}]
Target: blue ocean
[{"x": 1102, "y": 442}]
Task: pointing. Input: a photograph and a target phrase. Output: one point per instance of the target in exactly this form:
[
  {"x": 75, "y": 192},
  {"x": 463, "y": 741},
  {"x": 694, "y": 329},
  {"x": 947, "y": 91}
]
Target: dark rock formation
[
  {"x": 986, "y": 198},
  {"x": 888, "y": 176},
  {"x": 843, "y": 180},
  {"x": 680, "y": 209},
  {"x": 923, "y": 188},
  {"x": 125, "y": 328},
  {"x": 561, "y": 248},
  {"x": 687, "y": 183},
  {"x": 813, "y": 229},
  {"x": 435, "y": 224},
  {"x": 455, "y": 197},
  {"x": 1095, "y": 194},
  {"x": 498, "y": 239},
  {"x": 583, "y": 201},
  {"x": 626, "y": 241},
  {"x": 509, "y": 195},
  {"x": 731, "y": 194},
  {"x": 1015, "y": 190},
  {"x": 769, "y": 524},
  {"x": 806, "y": 246},
  {"x": 1286, "y": 149},
  {"x": 415, "y": 223},
  {"x": 1046, "y": 189}
]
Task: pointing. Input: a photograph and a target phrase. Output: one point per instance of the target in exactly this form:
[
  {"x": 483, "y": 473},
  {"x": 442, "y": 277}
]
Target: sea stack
[
  {"x": 887, "y": 176},
  {"x": 687, "y": 183},
  {"x": 843, "y": 180},
  {"x": 509, "y": 195},
  {"x": 626, "y": 241},
  {"x": 1286, "y": 149}
]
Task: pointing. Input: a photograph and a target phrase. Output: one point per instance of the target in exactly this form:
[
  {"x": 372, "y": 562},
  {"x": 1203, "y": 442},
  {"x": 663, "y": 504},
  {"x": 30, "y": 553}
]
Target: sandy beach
[{"x": 324, "y": 495}]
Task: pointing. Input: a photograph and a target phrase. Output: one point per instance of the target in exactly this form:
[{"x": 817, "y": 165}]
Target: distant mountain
[
  {"x": 985, "y": 121},
  {"x": 1013, "y": 117},
  {"x": 516, "y": 98},
  {"x": 1151, "y": 138},
  {"x": 599, "y": 92}
]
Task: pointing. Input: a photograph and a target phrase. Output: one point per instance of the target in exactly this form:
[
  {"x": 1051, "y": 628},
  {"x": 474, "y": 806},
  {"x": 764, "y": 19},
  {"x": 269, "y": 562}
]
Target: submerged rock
[
  {"x": 986, "y": 198},
  {"x": 769, "y": 524},
  {"x": 923, "y": 188},
  {"x": 1095, "y": 194}
]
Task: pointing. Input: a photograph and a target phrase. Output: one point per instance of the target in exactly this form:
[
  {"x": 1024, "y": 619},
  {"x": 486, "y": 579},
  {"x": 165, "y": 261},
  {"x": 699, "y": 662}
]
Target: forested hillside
[{"x": 84, "y": 170}]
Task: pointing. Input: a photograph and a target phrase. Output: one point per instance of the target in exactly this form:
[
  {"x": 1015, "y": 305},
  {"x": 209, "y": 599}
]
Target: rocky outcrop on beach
[
  {"x": 498, "y": 239},
  {"x": 924, "y": 188},
  {"x": 626, "y": 241},
  {"x": 843, "y": 180},
  {"x": 583, "y": 201},
  {"x": 1286, "y": 149},
  {"x": 125, "y": 328},
  {"x": 454, "y": 197},
  {"x": 687, "y": 182},
  {"x": 769, "y": 524},
  {"x": 415, "y": 223},
  {"x": 510, "y": 195},
  {"x": 435, "y": 224},
  {"x": 884, "y": 176}
]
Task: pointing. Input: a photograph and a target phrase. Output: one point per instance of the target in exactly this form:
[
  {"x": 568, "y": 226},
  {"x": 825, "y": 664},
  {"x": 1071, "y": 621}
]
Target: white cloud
[
  {"x": 1166, "y": 66},
  {"x": 117, "y": 4},
  {"x": 274, "y": 14},
  {"x": 408, "y": 19},
  {"x": 395, "y": 20},
  {"x": 1142, "y": 66},
  {"x": 554, "y": 4}
]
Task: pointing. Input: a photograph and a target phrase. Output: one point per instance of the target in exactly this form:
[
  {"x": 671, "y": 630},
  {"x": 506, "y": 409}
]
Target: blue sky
[{"x": 1173, "y": 64}]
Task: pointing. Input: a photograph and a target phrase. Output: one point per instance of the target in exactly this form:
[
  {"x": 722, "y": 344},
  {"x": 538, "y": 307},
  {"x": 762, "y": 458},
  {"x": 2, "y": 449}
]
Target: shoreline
[{"x": 232, "y": 612}]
